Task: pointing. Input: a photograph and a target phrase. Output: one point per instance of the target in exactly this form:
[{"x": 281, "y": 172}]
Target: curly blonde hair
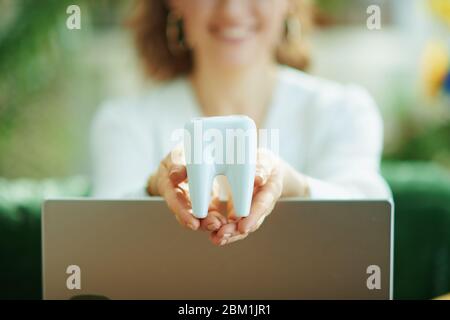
[{"x": 149, "y": 25}]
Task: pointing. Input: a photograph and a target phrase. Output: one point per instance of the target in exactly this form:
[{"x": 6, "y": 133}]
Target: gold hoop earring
[
  {"x": 293, "y": 29},
  {"x": 175, "y": 34}
]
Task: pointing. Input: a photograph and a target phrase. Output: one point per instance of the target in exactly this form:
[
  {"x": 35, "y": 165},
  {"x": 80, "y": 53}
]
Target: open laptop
[{"x": 135, "y": 249}]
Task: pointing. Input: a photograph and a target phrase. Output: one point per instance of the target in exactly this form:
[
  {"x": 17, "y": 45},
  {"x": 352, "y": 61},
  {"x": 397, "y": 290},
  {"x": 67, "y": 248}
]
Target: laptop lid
[{"x": 135, "y": 249}]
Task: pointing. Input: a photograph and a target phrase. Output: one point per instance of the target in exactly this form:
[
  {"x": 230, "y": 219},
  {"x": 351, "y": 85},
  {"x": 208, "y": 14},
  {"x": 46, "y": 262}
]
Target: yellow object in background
[
  {"x": 441, "y": 8},
  {"x": 444, "y": 297},
  {"x": 435, "y": 66}
]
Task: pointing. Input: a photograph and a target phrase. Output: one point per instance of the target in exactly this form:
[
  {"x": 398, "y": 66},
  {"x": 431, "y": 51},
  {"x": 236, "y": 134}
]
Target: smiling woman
[
  {"x": 234, "y": 57},
  {"x": 166, "y": 53}
]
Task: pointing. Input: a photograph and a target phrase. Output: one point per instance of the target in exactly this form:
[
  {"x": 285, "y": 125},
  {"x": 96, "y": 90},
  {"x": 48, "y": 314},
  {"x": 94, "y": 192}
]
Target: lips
[{"x": 233, "y": 34}]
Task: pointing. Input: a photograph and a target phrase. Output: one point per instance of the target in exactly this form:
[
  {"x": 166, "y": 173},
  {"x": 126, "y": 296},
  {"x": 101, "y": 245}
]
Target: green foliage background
[{"x": 47, "y": 93}]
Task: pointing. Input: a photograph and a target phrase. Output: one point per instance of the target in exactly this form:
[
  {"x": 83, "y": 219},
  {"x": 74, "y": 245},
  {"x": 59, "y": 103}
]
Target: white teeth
[{"x": 234, "y": 32}]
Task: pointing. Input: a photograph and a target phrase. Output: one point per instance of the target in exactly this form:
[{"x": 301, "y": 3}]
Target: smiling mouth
[{"x": 233, "y": 34}]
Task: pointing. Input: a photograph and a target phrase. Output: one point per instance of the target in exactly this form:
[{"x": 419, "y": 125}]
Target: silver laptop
[{"x": 135, "y": 249}]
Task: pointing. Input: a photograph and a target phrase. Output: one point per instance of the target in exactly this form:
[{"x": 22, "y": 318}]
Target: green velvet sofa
[{"x": 422, "y": 230}]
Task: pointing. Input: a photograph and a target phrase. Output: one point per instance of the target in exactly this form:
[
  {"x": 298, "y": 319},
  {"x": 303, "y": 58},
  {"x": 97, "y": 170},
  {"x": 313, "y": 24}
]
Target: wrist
[{"x": 295, "y": 184}]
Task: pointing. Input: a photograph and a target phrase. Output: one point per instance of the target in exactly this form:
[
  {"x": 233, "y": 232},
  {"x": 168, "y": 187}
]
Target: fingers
[
  {"x": 213, "y": 221},
  {"x": 262, "y": 174},
  {"x": 236, "y": 238},
  {"x": 228, "y": 239},
  {"x": 223, "y": 235},
  {"x": 267, "y": 190},
  {"x": 171, "y": 174},
  {"x": 178, "y": 202},
  {"x": 176, "y": 156},
  {"x": 266, "y": 161},
  {"x": 178, "y": 174},
  {"x": 227, "y": 234},
  {"x": 175, "y": 165},
  {"x": 263, "y": 203},
  {"x": 172, "y": 167}
]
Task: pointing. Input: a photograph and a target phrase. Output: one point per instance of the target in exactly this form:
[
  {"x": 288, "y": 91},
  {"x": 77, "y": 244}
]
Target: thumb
[{"x": 177, "y": 174}]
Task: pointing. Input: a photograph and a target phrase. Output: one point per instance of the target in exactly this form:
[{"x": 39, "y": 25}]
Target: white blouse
[{"x": 330, "y": 132}]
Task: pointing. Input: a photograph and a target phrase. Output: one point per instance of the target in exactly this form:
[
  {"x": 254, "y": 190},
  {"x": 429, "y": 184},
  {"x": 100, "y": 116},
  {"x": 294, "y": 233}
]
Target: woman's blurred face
[{"x": 232, "y": 33}]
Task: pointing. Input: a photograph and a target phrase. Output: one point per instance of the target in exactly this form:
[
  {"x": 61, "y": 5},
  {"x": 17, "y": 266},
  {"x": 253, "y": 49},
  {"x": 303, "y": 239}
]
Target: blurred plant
[
  {"x": 421, "y": 127},
  {"x": 331, "y": 6},
  {"x": 29, "y": 55},
  {"x": 332, "y": 12},
  {"x": 40, "y": 75},
  {"x": 33, "y": 54}
]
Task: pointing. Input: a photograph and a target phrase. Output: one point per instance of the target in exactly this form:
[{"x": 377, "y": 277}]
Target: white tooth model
[{"x": 220, "y": 146}]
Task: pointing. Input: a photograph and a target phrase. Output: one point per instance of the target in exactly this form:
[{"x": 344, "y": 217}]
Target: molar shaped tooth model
[{"x": 220, "y": 146}]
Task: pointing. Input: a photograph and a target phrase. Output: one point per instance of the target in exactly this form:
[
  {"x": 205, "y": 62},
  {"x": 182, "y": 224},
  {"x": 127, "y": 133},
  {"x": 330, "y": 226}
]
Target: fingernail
[
  {"x": 174, "y": 171},
  {"x": 261, "y": 178},
  {"x": 191, "y": 226},
  {"x": 211, "y": 226},
  {"x": 223, "y": 242},
  {"x": 227, "y": 235}
]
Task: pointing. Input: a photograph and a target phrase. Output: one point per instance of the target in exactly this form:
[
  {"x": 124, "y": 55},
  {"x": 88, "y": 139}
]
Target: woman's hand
[
  {"x": 268, "y": 188},
  {"x": 169, "y": 181},
  {"x": 274, "y": 179}
]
